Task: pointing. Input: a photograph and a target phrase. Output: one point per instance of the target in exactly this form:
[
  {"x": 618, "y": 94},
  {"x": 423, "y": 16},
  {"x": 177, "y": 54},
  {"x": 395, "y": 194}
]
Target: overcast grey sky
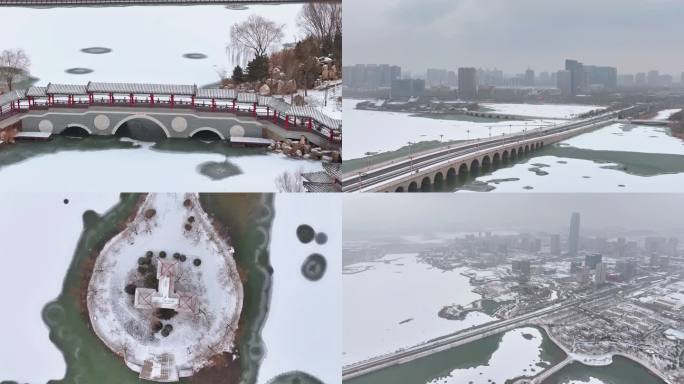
[
  {"x": 634, "y": 35},
  {"x": 372, "y": 213}
]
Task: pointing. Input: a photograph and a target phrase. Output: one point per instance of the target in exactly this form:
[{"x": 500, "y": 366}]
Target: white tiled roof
[
  {"x": 37, "y": 92},
  {"x": 162, "y": 89},
  {"x": 66, "y": 89},
  {"x": 215, "y": 93}
]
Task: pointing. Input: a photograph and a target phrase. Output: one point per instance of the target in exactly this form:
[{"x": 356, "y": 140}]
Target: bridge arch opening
[
  {"x": 527, "y": 150},
  {"x": 438, "y": 184},
  {"x": 486, "y": 164},
  {"x": 143, "y": 128},
  {"x": 413, "y": 187},
  {"x": 496, "y": 160},
  {"x": 426, "y": 185},
  {"x": 463, "y": 172},
  {"x": 504, "y": 157},
  {"x": 521, "y": 151},
  {"x": 75, "y": 130},
  {"x": 514, "y": 155},
  {"x": 400, "y": 189},
  {"x": 451, "y": 177},
  {"x": 207, "y": 134},
  {"x": 474, "y": 168}
]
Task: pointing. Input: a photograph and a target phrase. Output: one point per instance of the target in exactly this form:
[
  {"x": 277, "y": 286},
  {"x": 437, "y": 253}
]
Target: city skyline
[{"x": 480, "y": 38}]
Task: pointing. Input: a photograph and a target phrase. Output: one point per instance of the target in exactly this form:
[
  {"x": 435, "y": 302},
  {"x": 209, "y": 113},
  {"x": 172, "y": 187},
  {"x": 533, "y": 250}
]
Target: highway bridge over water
[
  {"x": 178, "y": 110},
  {"x": 442, "y": 167},
  {"x": 473, "y": 334}
]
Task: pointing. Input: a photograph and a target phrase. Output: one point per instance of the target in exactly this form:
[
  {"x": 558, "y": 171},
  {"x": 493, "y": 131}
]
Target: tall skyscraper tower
[
  {"x": 573, "y": 238},
  {"x": 467, "y": 83}
]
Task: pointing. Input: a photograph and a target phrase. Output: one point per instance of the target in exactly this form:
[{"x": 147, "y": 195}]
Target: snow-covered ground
[
  {"x": 37, "y": 228},
  {"x": 148, "y": 43},
  {"x": 563, "y": 111},
  {"x": 196, "y": 337},
  {"x": 302, "y": 332},
  {"x": 629, "y": 138},
  {"x": 316, "y": 98},
  {"x": 578, "y": 175},
  {"x": 144, "y": 169},
  {"x": 380, "y": 131},
  {"x": 665, "y": 114},
  {"x": 394, "y": 305},
  {"x": 516, "y": 356}
]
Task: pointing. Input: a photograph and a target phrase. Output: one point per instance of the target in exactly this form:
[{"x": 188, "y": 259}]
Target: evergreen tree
[
  {"x": 238, "y": 75},
  {"x": 257, "y": 69}
]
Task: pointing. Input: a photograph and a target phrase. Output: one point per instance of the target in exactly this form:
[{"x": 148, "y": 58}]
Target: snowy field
[
  {"x": 393, "y": 290},
  {"x": 629, "y": 138},
  {"x": 196, "y": 337},
  {"x": 665, "y": 114},
  {"x": 516, "y": 356},
  {"x": 579, "y": 176},
  {"x": 560, "y": 111},
  {"x": 302, "y": 332},
  {"x": 381, "y": 131},
  {"x": 316, "y": 98},
  {"x": 144, "y": 169},
  {"x": 37, "y": 228},
  {"x": 148, "y": 43}
]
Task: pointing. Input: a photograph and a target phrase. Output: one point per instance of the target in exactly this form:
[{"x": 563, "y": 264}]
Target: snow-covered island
[{"x": 165, "y": 294}]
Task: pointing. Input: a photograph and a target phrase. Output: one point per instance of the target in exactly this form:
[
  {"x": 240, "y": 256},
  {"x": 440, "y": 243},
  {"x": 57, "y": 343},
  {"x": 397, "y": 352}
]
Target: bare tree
[
  {"x": 288, "y": 182},
  {"x": 254, "y": 37},
  {"x": 13, "y": 63},
  {"x": 321, "y": 20}
]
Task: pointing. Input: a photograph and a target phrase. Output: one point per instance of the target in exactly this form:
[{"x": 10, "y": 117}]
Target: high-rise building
[
  {"x": 467, "y": 83},
  {"x": 640, "y": 79},
  {"x": 408, "y": 88},
  {"x": 653, "y": 78},
  {"x": 555, "y": 245},
  {"x": 626, "y": 80},
  {"x": 605, "y": 77},
  {"x": 370, "y": 76},
  {"x": 601, "y": 273},
  {"x": 529, "y": 77},
  {"x": 573, "y": 238},
  {"x": 577, "y": 75},
  {"x": 591, "y": 260},
  {"x": 564, "y": 82}
]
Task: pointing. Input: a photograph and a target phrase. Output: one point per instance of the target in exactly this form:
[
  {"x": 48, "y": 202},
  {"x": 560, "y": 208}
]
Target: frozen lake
[
  {"x": 144, "y": 168},
  {"x": 639, "y": 144},
  {"x": 147, "y": 43},
  {"x": 394, "y": 303},
  {"x": 380, "y": 131}
]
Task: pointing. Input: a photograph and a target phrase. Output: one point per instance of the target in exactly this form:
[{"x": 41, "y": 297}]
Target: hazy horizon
[
  {"x": 383, "y": 213},
  {"x": 632, "y": 35}
]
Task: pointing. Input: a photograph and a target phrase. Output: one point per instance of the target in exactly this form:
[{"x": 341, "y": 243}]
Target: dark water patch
[
  {"x": 634, "y": 163},
  {"x": 295, "y": 377},
  {"x": 622, "y": 371},
  {"x": 540, "y": 165},
  {"x": 477, "y": 186},
  {"x": 314, "y": 267},
  {"x": 24, "y": 150},
  {"x": 199, "y": 146},
  {"x": 216, "y": 170},
  {"x": 621, "y": 185},
  {"x": 528, "y": 187},
  {"x": 237, "y": 7},
  {"x": 96, "y": 50},
  {"x": 439, "y": 366},
  {"x": 195, "y": 56},
  {"x": 586, "y": 177},
  {"x": 538, "y": 171},
  {"x": 305, "y": 233},
  {"x": 79, "y": 71},
  {"x": 498, "y": 181},
  {"x": 561, "y": 162},
  {"x": 65, "y": 201},
  {"x": 321, "y": 238}
]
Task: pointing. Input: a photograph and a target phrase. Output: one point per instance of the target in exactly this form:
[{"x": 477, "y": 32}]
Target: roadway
[
  {"x": 366, "y": 179},
  {"x": 455, "y": 339}
]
